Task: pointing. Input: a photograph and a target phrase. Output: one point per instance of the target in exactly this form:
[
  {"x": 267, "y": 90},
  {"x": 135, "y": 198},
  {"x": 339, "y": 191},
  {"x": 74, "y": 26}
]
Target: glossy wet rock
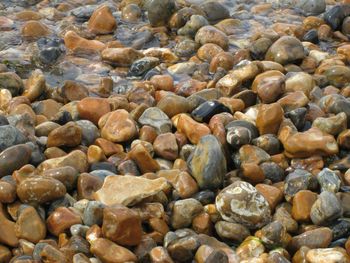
[
  {"x": 210, "y": 34},
  {"x": 207, "y": 158},
  {"x": 102, "y": 21},
  {"x": 40, "y": 190},
  {"x": 241, "y": 202},
  {"x": 326, "y": 208},
  {"x": 69, "y": 135},
  {"x": 9, "y": 161},
  {"x": 285, "y": 50}
]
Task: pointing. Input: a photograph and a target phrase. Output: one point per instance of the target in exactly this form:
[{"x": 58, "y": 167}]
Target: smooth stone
[
  {"x": 122, "y": 225},
  {"x": 231, "y": 231},
  {"x": 102, "y": 21},
  {"x": 87, "y": 185},
  {"x": 336, "y": 254},
  {"x": 66, "y": 175},
  {"x": 334, "y": 16},
  {"x": 43, "y": 129},
  {"x": 272, "y": 194},
  {"x": 69, "y": 135},
  {"x": 193, "y": 25},
  {"x": 208, "y": 163},
  {"x": 326, "y": 209},
  {"x": 237, "y": 136},
  {"x": 7, "y": 228},
  {"x": 118, "y": 126},
  {"x": 34, "y": 29},
  {"x": 210, "y": 34},
  {"x": 121, "y": 56},
  {"x": 12, "y": 82},
  {"x": 9, "y": 161},
  {"x": 159, "y": 11},
  {"x": 141, "y": 66},
  {"x": 269, "y": 85},
  {"x": 193, "y": 130},
  {"x": 76, "y": 43},
  {"x": 109, "y": 252},
  {"x": 183, "y": 249},
  {"x": 7, "y": 192},
  {"x": 89, "y": 132},
  {"x": 205, "y": 111},
  {"x": 214, "y": 11},
  {"x": 128, "y": 190},
  {"x": 61, "y": 220},
  {"x": 313, "y": 7},
  {"x": 300, "y": 81},
  {"x": 76, "y": 159},
  {"x": 35, "y": 85},
  {"x": 338, "y": 76},
  {"x": 297, "y": 116},
  {"x": 40, "y": 190},
  {"x": 286, "y": 50},
  {"x": 309, "y": 143},
  {"x": 241, "y": 203},
  {"x": 30, "y": 226},
  {"x": 302, "y": 203},
  {"x": 131, "y": 13},
  {"x": 157, "y": 119},
  {"x": 269, "y": 118},
  {"x": 332, "y": 125},
  {"x": 317, "y": 238},
  {"x": 283, "y": 215},
  {"x": 143, "y": 159},
  {"x": 165, "y": 146},
  {"x": 252, "y": 154},
  {"x": 274, "y": 235},
  {"x": 184, "y": 211}
]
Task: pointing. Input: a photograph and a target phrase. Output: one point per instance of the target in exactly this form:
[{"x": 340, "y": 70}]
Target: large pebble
[
  {"x": 210, "y": 34},
  {"x": 208, "y": 163},
  {"x": 286, "y": 50},
  {"x": 9, "y": 161},
  {"x": 157, "y": 119},
  {"x": 128, "y": 190},
  {"x": 40, "y": 190},
  {"x": 326, "y": 209},
  {"x": 241, "y": 203}
]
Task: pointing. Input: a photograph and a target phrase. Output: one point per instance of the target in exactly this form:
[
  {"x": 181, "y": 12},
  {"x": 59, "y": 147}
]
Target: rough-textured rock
[
  {"x": 128, "y": 190},
  {"x": 240, "y": 202}
]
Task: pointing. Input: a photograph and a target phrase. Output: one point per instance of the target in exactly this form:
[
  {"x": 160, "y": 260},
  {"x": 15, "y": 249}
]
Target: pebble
[
  {"x": 108, "y": 251},
  {"x": 327, "y": 255},
  {"x": 69, "y": 135},
  {"x": 242, "y": 203},
  {"x": 102, "y": 21},
  {"x": 314, "y": 7},
  {"x": 207, "y": 163},
  {"x": 9, "y": 161},
  {"x": 184, "y": 211},
  {"x": 317, "y": 238},
  {"x": 269, "y": 118},
  {"x": 40, "y": 190},
  {"x": 210, "y": 34},
  {"x": 326, "y": 208},
  {"x": 122, "y": 225},
  {"x": 118, "y": 126},
  {"x": 286, "y": 50},
  {"x": 159, "y": 11},
  {"x": 157, "y": 119},
  {"x": 231, "y": 231}
]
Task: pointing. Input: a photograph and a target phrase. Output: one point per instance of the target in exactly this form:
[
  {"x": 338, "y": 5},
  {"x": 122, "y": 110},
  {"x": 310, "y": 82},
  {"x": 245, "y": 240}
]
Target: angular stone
[
  {"x": 9, "y": 136},
  {"x": 332, "y": 125},
  {"x": 326, "y": 209},
  {"x": 128, "y": 190},
  {"x": 184, "y": 211},
  {"x": 269, "y": 118},
  {"x": 328, "y": 180},
  {"x": 30, "y": 226},
  {"x": 208, "y": 163},
  {"x": 143, "y": 159},
  {"x": 296, "y": 181},
  {"x": 76, "y": 159},
  {"x": 122, "y": 225},
  {"x": 302, "y": 203},
  {"x": 240, "y": 202},
  {"x": 157, "y": 119}
]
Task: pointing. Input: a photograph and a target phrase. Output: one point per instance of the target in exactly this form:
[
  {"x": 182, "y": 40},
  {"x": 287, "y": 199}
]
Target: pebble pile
[{"x": 170, "y": 131}]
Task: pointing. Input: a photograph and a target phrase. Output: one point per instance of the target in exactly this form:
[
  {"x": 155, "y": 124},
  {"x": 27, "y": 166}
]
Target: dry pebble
[{"x": 169, "y": 131}]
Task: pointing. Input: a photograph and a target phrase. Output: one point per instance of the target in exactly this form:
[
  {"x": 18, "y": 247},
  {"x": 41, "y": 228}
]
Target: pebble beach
[{"x": 174, "y": 131}]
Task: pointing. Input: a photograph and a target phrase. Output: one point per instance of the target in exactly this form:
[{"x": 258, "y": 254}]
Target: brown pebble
[{"x": 61, "y": 220}]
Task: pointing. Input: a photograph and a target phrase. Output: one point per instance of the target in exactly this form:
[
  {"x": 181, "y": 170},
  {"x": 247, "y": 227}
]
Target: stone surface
[
  {"x": 122, "y": 225},
  {"x": 118, "y": 126},
  {"x": 207, "y": 163},
  {"x": 102, "y": 21},
  {"x": 240, "y": 202},
  {"x": 128, "y": 190},
  {"x": 326, "y": 208}
]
